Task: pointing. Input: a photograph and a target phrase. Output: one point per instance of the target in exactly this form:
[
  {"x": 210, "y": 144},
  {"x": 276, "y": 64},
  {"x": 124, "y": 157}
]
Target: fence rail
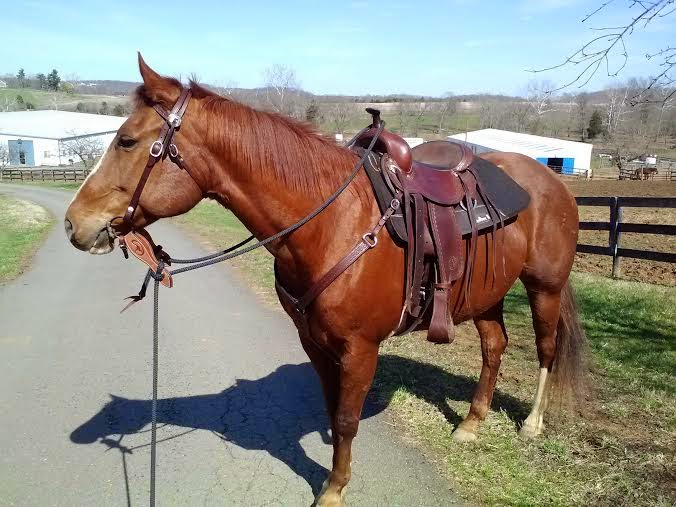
[
  {"x": 71, "y": 174},
  {"x": 616, "y": 227}
]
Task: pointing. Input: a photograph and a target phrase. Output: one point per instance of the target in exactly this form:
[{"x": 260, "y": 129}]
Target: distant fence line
[
  {"x": 641, "y": 172},
  {"x": 616, "y": 227},
  {"x": 71, "y": 174}
]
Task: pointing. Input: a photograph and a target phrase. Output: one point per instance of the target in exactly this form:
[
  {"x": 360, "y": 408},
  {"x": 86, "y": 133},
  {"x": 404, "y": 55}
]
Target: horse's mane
[{"x": 302, "y": 159}]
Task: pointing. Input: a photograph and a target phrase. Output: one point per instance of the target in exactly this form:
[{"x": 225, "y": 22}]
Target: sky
[{"x": 346, "y": 47}]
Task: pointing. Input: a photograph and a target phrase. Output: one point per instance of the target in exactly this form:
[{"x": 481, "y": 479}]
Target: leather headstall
[{"x": 139, "y": 242}]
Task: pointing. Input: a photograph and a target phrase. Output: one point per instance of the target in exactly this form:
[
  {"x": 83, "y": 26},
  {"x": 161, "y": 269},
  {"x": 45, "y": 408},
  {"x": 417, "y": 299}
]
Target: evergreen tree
[
  {"x": 53, "y": 80},
  {"x": 118, "y": 110},
  {"x": 312, "y": 113},
  {"x": 80, "y": 108},
  {"x": 595, "y": 125},
  {"x": 42, "y": 81},
  {"x": 21, "y": 78},
  {"x": 104, "y": 108}
]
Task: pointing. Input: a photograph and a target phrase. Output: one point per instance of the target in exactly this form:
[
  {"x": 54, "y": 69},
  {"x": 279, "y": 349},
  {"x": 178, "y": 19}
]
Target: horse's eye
[{"x": 126, "y": 142}]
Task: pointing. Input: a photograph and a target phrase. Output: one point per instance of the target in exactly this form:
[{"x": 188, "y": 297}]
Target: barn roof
[
  {"x": 57, "y": 124},
  {"x": 504, "y": 140}
]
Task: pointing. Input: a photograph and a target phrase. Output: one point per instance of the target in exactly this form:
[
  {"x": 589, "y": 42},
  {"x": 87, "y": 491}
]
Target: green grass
[
  {"x": 42, "y": 99},
  {"x": 23, "y": 227},
  {"x": 217, "y": 229},
  {"x": 620, "y": 452}
]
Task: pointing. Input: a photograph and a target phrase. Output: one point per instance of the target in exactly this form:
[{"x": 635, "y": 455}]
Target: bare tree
[
  {"x": 339, "y": 115},
  {"x": 419, "y": 111},
  {"x": 86, "y": 148},
  {"x": 581, "y": 113},
  {"x": 609, "y": 49},
  {"x": 4, "y": 156},
  {"x": 616, "y": 108},
  {"x": 8, "y": 103},
  {"x": 282, "y": 89},
  {"x": 539, "y": 98},
  {"x": 445, "y": 110},
  {"x": 403, "y": 115}
]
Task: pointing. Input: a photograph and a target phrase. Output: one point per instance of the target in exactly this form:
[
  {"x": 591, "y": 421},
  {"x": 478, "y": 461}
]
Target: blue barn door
[
  {"x": 21, "y": 152},
  {"x": 568, "y": 166}
]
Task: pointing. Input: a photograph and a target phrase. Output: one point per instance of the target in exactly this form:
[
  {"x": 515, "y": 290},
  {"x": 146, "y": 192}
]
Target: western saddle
[{"x": 437, "y": 180}]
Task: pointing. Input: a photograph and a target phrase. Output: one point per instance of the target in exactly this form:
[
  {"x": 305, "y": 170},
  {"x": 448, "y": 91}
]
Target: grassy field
[
  {"x": 23, "y": 227},
  {"x": 621, "y": 451},
  {"x": 42, "y": 99}
]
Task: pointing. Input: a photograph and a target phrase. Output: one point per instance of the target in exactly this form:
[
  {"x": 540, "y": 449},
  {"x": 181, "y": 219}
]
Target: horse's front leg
[{"x": 355, "y": 374}]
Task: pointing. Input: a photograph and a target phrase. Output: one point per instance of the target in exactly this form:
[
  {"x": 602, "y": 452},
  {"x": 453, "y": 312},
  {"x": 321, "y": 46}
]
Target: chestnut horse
[{"x": 270, "y": 171}]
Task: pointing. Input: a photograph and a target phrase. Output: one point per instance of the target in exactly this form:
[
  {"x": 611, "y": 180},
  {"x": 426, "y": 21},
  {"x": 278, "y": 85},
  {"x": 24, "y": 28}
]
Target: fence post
[{"x": 615, "y": 233}]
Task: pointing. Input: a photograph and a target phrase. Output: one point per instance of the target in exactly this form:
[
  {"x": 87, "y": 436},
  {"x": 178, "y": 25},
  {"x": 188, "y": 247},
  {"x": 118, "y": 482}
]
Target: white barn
[
  {"x": 567, "y": 157},
  {"x": 35, "y": 138}
]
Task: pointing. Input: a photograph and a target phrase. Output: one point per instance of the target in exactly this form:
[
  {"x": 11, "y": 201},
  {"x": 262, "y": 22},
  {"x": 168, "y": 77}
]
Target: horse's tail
[{"x": 569, "y": 371}]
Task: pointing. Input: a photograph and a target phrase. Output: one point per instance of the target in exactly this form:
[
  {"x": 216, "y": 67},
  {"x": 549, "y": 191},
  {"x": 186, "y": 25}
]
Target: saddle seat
[{"x": 431, "y": 169}]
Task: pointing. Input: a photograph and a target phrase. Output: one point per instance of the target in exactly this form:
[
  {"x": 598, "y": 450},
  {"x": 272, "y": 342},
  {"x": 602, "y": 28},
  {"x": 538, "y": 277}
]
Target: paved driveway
[{"x": 241, "y": 414}]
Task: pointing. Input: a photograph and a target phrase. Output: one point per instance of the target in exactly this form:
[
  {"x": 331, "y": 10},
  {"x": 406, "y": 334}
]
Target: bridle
[
  {"x": 139, "y": 241},
  {"x": 160, "y": 149}
]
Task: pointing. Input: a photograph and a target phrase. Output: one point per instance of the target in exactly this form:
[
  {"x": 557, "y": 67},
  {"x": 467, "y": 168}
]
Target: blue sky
[{"x": 350, "y": 47}]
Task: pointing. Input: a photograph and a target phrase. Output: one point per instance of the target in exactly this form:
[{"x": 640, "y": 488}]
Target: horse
[{"x": 270, "y": 171}]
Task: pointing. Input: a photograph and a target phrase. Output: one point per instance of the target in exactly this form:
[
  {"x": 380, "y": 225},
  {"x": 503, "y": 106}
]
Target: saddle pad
[{"x": 506, "y": 195}]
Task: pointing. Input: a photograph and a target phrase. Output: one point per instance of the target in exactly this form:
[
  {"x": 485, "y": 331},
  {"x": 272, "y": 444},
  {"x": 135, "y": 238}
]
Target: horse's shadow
[{"x": 275, "y": 412}]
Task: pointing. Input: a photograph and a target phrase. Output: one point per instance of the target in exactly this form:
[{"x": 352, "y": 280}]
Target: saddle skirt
[{"x": 507, "y": 196}]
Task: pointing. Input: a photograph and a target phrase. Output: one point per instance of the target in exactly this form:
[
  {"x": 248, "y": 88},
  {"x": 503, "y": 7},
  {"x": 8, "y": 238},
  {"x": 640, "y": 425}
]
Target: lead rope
[{"x": 207, "y": 260}]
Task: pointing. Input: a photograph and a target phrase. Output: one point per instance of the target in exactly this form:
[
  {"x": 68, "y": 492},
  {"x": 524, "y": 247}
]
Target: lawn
[
  {"x": 42, "y": 99},
  {"x": 23, "y": 227},
  {"x": 620, "y": 451}
]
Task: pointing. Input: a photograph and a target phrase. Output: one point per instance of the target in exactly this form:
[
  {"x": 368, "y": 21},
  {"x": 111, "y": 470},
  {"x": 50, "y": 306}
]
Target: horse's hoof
[
  {"x": 462, "y": 436},
  {"x": 334, "y": 500},
  {"x": 328, "y": 498},
  {"x": 529, "y": 432}
]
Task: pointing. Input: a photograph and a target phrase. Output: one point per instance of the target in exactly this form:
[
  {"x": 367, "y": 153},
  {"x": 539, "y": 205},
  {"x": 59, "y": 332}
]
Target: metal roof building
[
  {"x": 567, "y": 157},
  {"x": 35, "y": 138}
]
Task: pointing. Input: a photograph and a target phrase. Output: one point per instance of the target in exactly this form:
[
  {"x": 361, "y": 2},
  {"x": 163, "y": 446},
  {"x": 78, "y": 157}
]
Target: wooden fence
[
  {"x": 616, "y": 227},
  {"x": 71, "y": 174}
]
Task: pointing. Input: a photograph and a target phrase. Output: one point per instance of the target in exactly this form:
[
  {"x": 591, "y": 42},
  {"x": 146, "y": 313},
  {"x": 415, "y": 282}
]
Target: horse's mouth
[{"x": 104, "y": 243}]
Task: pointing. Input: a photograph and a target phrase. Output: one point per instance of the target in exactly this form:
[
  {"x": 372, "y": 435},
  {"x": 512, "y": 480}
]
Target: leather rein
[{"x": 141, "y": 245}]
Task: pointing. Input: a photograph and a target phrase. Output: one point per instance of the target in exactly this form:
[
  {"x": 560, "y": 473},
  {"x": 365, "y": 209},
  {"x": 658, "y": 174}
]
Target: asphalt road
[{"x": 241, "y": 415}]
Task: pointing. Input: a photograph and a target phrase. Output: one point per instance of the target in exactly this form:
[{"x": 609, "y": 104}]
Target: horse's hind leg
[
  {"x": 493, "y": 342},
  {"x": 545, "y": 307}
]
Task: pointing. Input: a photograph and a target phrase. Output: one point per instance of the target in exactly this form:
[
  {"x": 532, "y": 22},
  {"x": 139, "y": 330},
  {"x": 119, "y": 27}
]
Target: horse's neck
[{"x": 265, "y": 204}]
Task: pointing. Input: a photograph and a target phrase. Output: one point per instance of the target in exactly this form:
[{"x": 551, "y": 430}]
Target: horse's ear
[{"x": 159, "y": 89}]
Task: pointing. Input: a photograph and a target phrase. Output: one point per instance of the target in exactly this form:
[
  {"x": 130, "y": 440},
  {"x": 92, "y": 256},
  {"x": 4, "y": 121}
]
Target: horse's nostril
[{"x": 69, "y": 227}]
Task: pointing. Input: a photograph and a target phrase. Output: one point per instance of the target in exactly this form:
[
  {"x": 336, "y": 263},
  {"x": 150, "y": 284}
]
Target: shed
[
  {"x": 566, "y": 157},
  {"x": 35, "y": 138}
]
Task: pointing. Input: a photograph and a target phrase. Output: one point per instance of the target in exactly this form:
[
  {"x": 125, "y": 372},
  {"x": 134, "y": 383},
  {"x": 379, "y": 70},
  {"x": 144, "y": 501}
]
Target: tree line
[{"x": 50, "y": 81}]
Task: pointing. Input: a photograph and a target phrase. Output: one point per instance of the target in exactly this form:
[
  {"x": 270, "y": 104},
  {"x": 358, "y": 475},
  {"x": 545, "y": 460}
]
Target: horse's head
[
  {"x": 106, "y": 193},
  {"x": 120, "y": 416}
]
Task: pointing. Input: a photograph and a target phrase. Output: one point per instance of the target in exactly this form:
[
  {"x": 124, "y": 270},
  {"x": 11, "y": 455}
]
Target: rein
[{"x": 141, "y": 245}]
